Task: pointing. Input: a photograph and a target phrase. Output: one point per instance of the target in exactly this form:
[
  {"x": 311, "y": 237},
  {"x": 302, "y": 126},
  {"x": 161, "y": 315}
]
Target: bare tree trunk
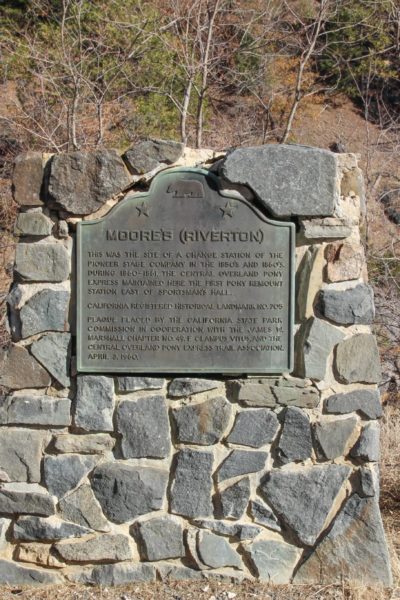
[
  {"x": 185, "y": 109},
  {"x": 73, "y": 114},
  {"x": 305, "y": 57},
  {"x": 204, "y": 78},
  {"x": 100, "y": 123}
]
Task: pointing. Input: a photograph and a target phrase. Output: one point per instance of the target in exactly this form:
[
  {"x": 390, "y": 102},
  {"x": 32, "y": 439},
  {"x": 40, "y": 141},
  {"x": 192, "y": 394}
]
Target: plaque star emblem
[
  {"x": 142, "y": 210},
  {"x": 228, "y": 209}
]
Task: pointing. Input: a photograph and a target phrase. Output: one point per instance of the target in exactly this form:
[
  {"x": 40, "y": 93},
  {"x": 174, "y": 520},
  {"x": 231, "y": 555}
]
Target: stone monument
[{"x": 191, "y": 389}]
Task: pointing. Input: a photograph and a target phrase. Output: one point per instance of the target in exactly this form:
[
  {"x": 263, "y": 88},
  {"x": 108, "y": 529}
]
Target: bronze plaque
[{"x": 185, "y": 278}]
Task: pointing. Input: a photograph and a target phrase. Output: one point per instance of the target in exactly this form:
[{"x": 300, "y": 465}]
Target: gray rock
[
  {"x": 42, "y": 262},
  {"x": 295, "y": 443},
  {"x": 203, "y": 423},
  {"x": 367, "y": 446},
  {"x": 81, "y": 507},
  {"x": 292, "y": 396},
  {"x": 329, "y": 228},
  {"x": 13, "y": 574},
  {"x": 332, "y": 436},
  {"x": 19, "y": 370},
  {"x": 21, "y": 453},
  {"x": 94, "y": 403},
  {"x": 33, "y": 223},
  {"x": 126, "y": 491},
  {"x": 4, "y": 528},
  {"x": 369, "y": 481},
  {"x": 257, "y": 393},
  {"x": 355, "y": 305},
  {"x": 254, "y": 428},
  {"x": 81, "y": 182},
  {"x": 64, "y": 472},
  {"x": 186, "y": 386},
  {"x": 26, "y": 498},
  {"x": 242, "y": 462},
  {"x": 147, "y": 155},
  {"x": 96, "y": 443},
  {"x": 53, "y": 350},
  {"x": 28, "y": 179},
  {"x": 273, "y": 560},
  {"x": 114, "y": 574},
  {"x": 357, "y": 359},
  {"x": 45, "y": 311},
  {"x": 288, "y": 179},
  {"x": 144, "y": 427},
  {"x": 103, "y": 547},
  {"x": 62, "y": 229},
  {"x": 234, "y": 499},
  {"x": 239, "y": 531},
  {"x": 215, "y": 551},
  {"x": 315, "y": 343},
  {"x": 367, "y": 402},
  {"x": 39, "y": 529},
  {"x": 304, "y": 498},
  {"x": 263, "y": 515},
  {"x": 354, "y": 549},
  {"x": 36, "y": 410},
  {"x": 192, "y": 485},
  {"x": 173, "y": 572},
  {"x": 134, "y": 384},
  {"x": 307, "y": 283},
  {"x": 161, "y": 538}
]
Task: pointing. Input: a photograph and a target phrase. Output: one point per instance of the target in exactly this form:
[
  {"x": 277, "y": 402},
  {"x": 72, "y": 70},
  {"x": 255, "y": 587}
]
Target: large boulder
[
  {"x": 254, "y": 428},
  {"x": 53, "y": 351},
  {"x": 94, "y": 403},
  {"x": 289, "y": 180},
  {"x": 64, "y": 472},
  {"x": 295, "y": 442},
  {"x": 19, "y": 369},
  {"x": 42, "y": 262},
  {"x": 28, "y": 179},
  {"x": 45, "y": 311},
  {"x": 192, "y": 484},
  {"x": 203, "y": 423},
  {"x": 354, "y": 549},
  {"x": 144, "y": 427},
  {"x": 347, "y": 307},
  {"x": 149, "y": 154},
  {"x": 357, "y": 359},
  {"x": 304, "y": 498},
  {"x": 21, "y": 453},
  {"x": 161, "y": 538},
  {"x": 81, "y": 182},
  {"x": 125, "y": 491},
  {"x": 315, "y": 342}
]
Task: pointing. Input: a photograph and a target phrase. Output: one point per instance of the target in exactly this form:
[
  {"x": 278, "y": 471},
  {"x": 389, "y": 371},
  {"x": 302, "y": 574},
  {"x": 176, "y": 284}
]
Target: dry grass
[
  {"x": 7, "y": 247},
  {"x": 390, "y": 480},
  {"x": 201, "y": 591}
]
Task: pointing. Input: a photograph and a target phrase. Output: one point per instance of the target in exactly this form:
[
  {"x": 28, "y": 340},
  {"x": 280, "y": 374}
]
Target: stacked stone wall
[{"x": 113, "y": 479}]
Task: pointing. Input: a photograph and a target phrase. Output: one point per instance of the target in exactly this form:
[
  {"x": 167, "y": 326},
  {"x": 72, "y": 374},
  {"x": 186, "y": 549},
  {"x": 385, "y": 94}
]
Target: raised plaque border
[{"x": 230, "y": 194}]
